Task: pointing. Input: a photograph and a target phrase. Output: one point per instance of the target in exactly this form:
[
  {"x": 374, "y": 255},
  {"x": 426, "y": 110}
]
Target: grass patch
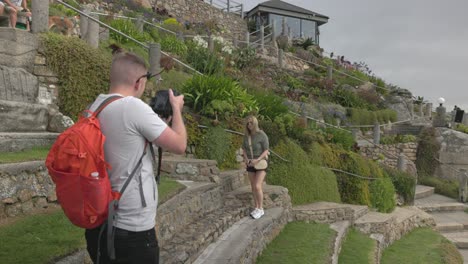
[
  {"x": 300, "y": 242},
  {"x": 43, "y": 237},
  {"x": 424, "y": 246},
  {"x": 168, "y": 188},
  {"x": 442, "y": 186},
  {"x": 39, "y": 238},
  {"x": 35, "y": 153},
  {"x": 357, "y": 248}
]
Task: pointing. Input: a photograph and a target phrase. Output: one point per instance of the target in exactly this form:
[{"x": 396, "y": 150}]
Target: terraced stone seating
[{"x": 449, "y": 215}]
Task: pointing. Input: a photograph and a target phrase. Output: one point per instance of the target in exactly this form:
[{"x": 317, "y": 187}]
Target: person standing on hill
[
  {"x": 129, "y": 125},
  {"x": 255, "y": 148}
]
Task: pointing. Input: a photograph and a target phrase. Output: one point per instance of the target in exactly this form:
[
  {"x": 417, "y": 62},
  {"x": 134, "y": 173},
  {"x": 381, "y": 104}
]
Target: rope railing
[{"x": 125, "y": 35}]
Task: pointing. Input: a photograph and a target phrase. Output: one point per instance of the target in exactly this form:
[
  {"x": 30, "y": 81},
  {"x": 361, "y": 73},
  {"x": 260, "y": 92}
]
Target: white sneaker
[
  {"x": 254, "y": 213},
  {"x": 259, "y": 214}
]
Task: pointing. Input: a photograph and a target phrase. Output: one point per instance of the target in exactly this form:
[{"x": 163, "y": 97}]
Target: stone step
[
  {"x": 327, "y": 212},
  {"x": 460, "y": 239},
  {"x": 245, "y": 240},
  {"x": 186, "y": 245},
  {"x": 439, "y": 203},
  {"x": 423, "y": 191},
  {"x": 394, "y": 225},
  {"x": 451, "y": 221},
  {"x": 10, "y": 142},
  {"x": 341, "y": 229},
  {"x": 464, "y": 253}
]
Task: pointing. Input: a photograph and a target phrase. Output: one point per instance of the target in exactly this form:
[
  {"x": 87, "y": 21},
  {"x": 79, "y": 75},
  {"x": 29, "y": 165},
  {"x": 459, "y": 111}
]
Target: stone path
[{"x": 449, "y": 215}]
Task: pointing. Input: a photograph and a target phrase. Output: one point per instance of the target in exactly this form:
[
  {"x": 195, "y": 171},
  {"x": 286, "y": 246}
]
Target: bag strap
[
  {"x": 105, "y": 103},
  {"x": 158, "y": 175}
]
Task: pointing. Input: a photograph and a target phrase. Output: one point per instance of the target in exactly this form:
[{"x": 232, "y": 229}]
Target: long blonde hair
[{"x": 255, "y": 128}]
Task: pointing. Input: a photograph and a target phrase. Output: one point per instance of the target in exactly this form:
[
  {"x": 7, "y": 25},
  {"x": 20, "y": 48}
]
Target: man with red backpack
[{"x": 129, "y": 125}]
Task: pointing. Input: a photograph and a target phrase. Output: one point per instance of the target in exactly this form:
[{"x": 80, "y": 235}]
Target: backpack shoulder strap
[{"x": 105, "y": 103}]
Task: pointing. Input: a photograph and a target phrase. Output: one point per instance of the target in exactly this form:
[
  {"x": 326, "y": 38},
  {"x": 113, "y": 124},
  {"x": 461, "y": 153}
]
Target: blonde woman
[{"x": 255, "y": 147}]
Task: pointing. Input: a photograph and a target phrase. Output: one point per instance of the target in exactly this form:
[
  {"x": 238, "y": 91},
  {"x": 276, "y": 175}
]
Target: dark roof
[{"x": 277, "y": 4}]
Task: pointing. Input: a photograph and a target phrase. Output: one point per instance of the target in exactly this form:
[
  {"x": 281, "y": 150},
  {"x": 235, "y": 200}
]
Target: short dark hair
[{"x": 126, "y": 68}]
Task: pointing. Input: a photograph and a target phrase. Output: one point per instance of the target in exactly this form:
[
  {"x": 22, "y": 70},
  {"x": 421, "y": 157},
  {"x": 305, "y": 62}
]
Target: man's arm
[{"x": 174, "y": 139}]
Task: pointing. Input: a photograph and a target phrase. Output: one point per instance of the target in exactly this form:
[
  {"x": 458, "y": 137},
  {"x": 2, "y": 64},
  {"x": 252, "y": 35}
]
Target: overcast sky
[{"x": 419, "y": 45}]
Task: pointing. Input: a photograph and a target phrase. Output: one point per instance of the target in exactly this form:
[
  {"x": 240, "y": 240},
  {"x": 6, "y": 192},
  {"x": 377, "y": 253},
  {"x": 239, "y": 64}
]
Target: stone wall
[
  {"x": 48, "y": 81},
  {"x": 24, "y": 187},
  {"x": 190, "y": 169},
  {"x": 196, "y": 11},
  {"x": 388, "y": 154},
  {"x": 452, "y": 154}
]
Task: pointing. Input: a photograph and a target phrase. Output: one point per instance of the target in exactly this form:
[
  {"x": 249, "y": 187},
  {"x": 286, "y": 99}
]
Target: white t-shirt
[{"x": 127, "y": 123}]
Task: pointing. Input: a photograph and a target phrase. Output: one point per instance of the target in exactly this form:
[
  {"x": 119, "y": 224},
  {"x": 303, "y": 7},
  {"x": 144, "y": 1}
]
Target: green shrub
[
  {"x": 270, "y": 105},
  {"x": 442, "y": 186},
  {"x": 83, "y": 71},
  {"x": 361, "y": 117},
  {"x": 428, "y": 148},
  {"x": 348, "y": 98},
  {"x": 203, "y": 60},
  {"x": 217, "y": 96},
  {"x": 340, "y": 137},
  {"x": 272, "y": 129},
  {"x": 174, "y": 45},
  {"x": 461, "y": 128},
  {"x": 353, "y": 189},
  {"x": 395, "y": 139},
  {"x": 244, "y": 57},
  {"x": 61, "y": 11},
  {"x": 404, "y": 183},
  {"x": 128, "y": 27},
  {"x": 382, "y": 195},
  {"x": 306, "y": 183},
  {"x": 216, "y": 145}
]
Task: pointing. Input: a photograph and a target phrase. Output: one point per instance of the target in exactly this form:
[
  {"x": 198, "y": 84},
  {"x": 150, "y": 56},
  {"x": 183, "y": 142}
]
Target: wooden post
[
  {"x": 154, "y": 57},
  {"x": 92, "y": 35},
  {"x": 247, "y": 39},
  {"x": 262, "y": 37},
  {"x": 40, "y": 14},
  {"x": 330, "y": 72},
  {"x": 84, "y": 23},
  {"x": 139, "y": 23},
  {"x": 280, "y": 58},
  {"x": 376, "y": 133}
]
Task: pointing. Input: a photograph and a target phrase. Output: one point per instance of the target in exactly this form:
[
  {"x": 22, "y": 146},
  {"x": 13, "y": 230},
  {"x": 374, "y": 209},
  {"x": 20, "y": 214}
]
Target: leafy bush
[
  {"x": 203, "y": 60},
  {"x": 339, "y": 137},
  {"x": 353, "y": 189},
  {"x": 244, "y": 57},
  {"x": 61, "y": 10},
  {"x": 428, "y": 147},
  {"x": 173, "y": 45},
  {"x": 128, "y": 27},
  {"x": 213, "y": 95},
  {"x": 395, "y": 139},
  {"x": 403, "y": 182},
  {"x": 172, "y": 24},
  {"x": 442, "y": 186},
  {"x": 306, "y": 183},
  {"x": 270, "y": 105},
  {"x": 461, "y": 128},
  {"x": 382, "y": 195},
  {"x": 216, "y": 145},
  {"x": 361, "y": 117},
  {"x": 348, "y": 98},
  {"x": 83, "y": 71}
]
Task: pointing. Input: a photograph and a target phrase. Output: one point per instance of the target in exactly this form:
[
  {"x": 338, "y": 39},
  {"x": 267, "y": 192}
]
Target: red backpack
[{"x": 78, "y": 168}]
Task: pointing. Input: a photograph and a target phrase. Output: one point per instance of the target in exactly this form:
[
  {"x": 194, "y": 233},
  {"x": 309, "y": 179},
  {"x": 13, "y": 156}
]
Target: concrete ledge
[
  {"x": 423, "y": 191},
  {"x": 18, "y": 48},
  {"x": 17, "y": 168},
  {"x": 20, "y": 117},
  {"x": 246, "y": 239},
  {"x": 341, "y": 229},
  {"x": 327, "y": 212},
  {"x": 11, "y": 142}
]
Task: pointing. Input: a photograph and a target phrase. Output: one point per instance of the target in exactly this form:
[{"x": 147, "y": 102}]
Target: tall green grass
[
  {"x": 357, "y": 248},
  {"x": 422, "y": 246},
  {"x": 300, "y": 242}
]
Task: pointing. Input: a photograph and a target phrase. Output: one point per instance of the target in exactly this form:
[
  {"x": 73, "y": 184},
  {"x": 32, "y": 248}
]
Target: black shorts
[{"x": 252, "y": 169}]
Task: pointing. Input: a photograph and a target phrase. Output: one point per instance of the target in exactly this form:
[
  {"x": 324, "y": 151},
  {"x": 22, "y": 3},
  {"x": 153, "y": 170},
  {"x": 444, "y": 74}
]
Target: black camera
[{"x": 160, "y": 103}]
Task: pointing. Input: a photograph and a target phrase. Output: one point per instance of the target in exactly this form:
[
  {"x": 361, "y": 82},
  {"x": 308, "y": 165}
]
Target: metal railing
[{"x": 228, "y": 6}]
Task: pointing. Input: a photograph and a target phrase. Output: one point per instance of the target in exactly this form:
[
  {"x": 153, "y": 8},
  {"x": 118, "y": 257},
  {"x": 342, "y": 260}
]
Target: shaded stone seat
[{"x": 4, "y": 21}]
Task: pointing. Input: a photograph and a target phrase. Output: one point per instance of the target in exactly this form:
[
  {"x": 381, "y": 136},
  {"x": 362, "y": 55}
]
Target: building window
[{"x": 295, "y": 26}]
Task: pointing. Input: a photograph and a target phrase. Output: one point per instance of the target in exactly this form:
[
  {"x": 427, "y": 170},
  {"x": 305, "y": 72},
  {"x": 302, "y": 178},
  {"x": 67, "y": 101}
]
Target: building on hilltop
[{"x": 302, "y": 23}]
